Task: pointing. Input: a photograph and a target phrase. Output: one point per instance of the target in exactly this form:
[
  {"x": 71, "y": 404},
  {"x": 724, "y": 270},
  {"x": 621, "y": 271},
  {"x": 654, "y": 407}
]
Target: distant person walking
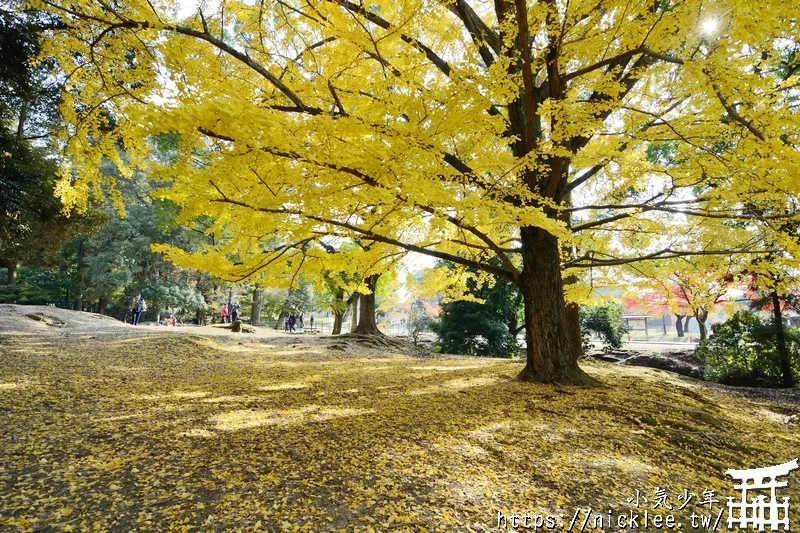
[
  {"x": 138, "y": 306},
  {"x": 300, "y": 324},
  {"x": 311, "y": 322},
  {"x": 291, "y": 323},
  {"x": 234, "y": 312},
  {"x": 224, "y": 313}
]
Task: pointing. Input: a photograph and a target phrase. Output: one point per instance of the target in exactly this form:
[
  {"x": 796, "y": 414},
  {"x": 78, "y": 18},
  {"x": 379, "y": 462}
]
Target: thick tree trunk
[
  {"x": 554, "y": 343},
  {"x": 367, "y": 324},
  {"x": 255, "y": 311},
  {"x": 679, "y": 324},
  {"x": 574, "y": 321},
  {"x": 573, "y": 309},
  {"x": 337, "y": 323},
  {"x": 780, "y": 338},
  {"x": 102, "y": 303}
]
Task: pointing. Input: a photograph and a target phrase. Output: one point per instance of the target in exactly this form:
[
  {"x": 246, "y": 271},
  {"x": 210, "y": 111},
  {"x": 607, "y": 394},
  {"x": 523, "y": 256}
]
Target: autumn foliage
[
  {"x": 529, "y": 140},
  {"x": 184, "y": 432}
]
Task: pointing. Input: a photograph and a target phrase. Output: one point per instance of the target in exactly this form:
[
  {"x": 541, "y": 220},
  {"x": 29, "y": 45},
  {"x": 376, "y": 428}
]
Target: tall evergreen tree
[{"x": 32, "y": 225}]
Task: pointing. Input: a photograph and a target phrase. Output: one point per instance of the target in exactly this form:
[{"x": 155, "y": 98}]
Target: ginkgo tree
[{"x": 515, "y": 138}]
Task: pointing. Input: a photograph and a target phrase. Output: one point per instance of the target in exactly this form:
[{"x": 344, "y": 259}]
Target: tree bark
[
  {"x": 573, "y": 309},
  {"x": 102, "y": 303},
  {"x": 574, "y": 321},
  {"x": 513, "y": 320},
  {"x": 701, "y": 315},
  {"x": 780, "y": 338},
  {"x": 11, "y": 266},
  {"x": 701, "y": 325},
  {"x": 679, "y": 324},
  {"x": 255, "y": 310},
  {"x": 338, "y": 311},
  {"x": 23, "y": 117},
  {"x": 367, "y": 324},
  {"x": 337, "y": 323},
  {"x": 553, "y": 341}
]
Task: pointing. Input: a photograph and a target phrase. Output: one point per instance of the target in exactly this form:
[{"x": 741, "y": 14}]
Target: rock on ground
[{"x": 664, "y": 363}]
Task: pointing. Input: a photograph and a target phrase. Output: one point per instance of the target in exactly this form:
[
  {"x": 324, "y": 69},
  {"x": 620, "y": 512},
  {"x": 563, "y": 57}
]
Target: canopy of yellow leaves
[{"x": 390, "y": 122}]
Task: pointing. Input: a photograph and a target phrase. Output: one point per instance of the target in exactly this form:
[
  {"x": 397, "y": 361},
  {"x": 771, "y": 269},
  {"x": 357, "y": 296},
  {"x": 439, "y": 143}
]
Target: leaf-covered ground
[{"x": 179, "y": 432}]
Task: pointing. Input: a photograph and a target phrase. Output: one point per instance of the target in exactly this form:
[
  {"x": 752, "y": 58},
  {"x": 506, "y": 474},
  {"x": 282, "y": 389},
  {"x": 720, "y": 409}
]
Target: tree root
[
  {"x": 575, "y": 376},
  {"x": 236, "y": 327}
]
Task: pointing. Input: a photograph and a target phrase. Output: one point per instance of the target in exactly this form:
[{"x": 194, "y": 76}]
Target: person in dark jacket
[
  {"x": 138, "y": 307},
  {"x": 135, "y": 309}
]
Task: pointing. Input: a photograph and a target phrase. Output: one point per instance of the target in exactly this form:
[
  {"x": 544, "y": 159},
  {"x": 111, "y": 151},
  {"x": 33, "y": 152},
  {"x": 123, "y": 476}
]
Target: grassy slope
[{"x": 171, "y": 433}]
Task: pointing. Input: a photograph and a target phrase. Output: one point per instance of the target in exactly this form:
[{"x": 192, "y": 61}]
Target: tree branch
[
  {"x": 204, "y": 35},
  {"x": 735, "y": 114},
  {"x": 440, "y": 63},
  {"x": 481, "y": 34},
  {"x": 667, "y": 253},
  {"x": 375, "y": 237},
  {"x": 692, "y": 213},
  {"x": 372, "y": 182}
]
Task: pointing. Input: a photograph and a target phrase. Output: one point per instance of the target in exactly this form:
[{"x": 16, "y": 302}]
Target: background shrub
[
  {"x": 605, "y": 320},
  {"x": 742, "y": 351}
]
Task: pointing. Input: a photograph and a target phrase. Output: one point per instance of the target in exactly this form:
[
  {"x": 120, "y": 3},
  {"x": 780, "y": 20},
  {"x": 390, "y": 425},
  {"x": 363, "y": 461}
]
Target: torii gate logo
[{"x": 757, "y": 512}]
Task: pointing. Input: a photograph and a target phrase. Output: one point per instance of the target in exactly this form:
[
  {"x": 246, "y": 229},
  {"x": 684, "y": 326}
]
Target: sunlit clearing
[
  {"x": 177, "y": 395},
  {"x": 244, "y": 419},
  {"x": 454, "y": 385},
  {"x": 283, "y": 386}
]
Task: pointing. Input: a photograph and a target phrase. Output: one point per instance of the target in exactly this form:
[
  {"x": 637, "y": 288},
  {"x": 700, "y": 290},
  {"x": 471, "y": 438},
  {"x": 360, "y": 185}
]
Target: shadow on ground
[{"x": 186, "y": 432}]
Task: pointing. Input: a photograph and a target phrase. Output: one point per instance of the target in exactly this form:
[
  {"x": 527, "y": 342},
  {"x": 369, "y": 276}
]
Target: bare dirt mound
[{"x": 37, "y": 319}]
